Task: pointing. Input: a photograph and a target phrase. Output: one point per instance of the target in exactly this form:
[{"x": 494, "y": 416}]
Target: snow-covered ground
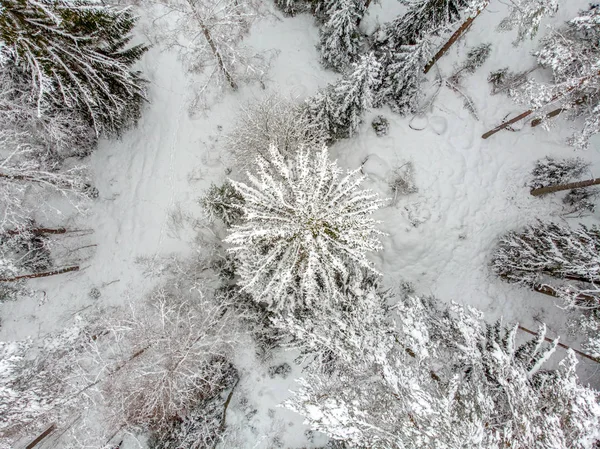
[{"x": 470, "y": 191}]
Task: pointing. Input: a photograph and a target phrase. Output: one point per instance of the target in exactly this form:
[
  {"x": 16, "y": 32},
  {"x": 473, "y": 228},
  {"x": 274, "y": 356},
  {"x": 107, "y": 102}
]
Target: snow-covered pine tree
[
  {"x": 305, "y": 226},
  {"x": 348, "y": 335},
  {"x": 356, "y": 93},
  {"x": 403, "y": 74},
  {"x": 424, "y": 19},
  {"x": 572, "y": 54},
  {"x": 550, "y": 171},
  {"x": 546, "y": 250},
  {"x": 557, "y": 260},
  {"x": 25, "y": 394},
  {"x": 404, "y": 46},
  {"x": 453, "y": 381},
  {"x": 526, "y": 15},
  {"x": 38, "y": 384},
  {"x": 76, "y": 55},
  {"x": 338, "y": 108},
  {"x": 222, "y": 203},
  {"x": 340, "y": 37}
]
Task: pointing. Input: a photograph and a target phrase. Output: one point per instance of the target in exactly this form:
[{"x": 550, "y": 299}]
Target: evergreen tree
[
  {"x": 404, "y": 46},
  {"x": 449, "y": 380},
  {"x": 556, "y": 260},
  {"x": 403, "y": 75},
  {"x": 424, "y": 19},
  {"x": 340, "y": 37},
  {"x": 526, "y": 15},
  {"x": 76, "y": 54},
  {"x": 543, "y": 250},
  {"x": 551, "y": 171},
  {"x": 305, "y": 226},
  {"x": 339, "y": 108},
  {"x": 356, "y": 93}
]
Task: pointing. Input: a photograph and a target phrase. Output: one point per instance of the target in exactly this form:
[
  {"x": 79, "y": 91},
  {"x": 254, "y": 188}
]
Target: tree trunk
[
  {"x": 571, "y": 185},
  {"x": 530, "y": 111},
  {"x": 43, "y": 435},
  {"x": 457, "y": 34},
  {"x": 41, "y": 275},
  {"x": 37, "y": 231},
  {"x": 538, "y": 121},
  {"x": 213, "y": 47},
  {"x": 367, "y": 3},
  {"x": 549, "y": 340},
  {"x": 507, "y": 124}
]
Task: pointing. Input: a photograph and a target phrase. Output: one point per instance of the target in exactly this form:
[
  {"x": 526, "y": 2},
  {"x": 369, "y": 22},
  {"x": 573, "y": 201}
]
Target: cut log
[
  {"x": 549, "y": 115},
  {"x": 569, "y": 186},
  {"x": 43, "y": 435},
  {"x": 457, "y": 34},
  {"x": 37, "y": 231},
  {"x": 41, "y": 275}
]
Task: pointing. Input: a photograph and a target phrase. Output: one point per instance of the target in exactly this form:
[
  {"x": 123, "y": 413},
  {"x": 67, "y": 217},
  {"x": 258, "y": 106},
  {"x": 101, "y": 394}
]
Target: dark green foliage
[
  {"x": 77, "y": 55},
  {"x": 424, "y": 19},
  {"x": 223, "y": 202}
]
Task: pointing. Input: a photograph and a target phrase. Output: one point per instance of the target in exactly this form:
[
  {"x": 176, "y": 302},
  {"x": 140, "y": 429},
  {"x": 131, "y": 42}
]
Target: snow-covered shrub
[
  {"x": 550, "y": 171},
  {"x": 402, "y": 181},
  {"x": 447, "y": 378},
  {"x": 526, "y": 15},
  {"x": 50, "y": 44},
  {"x": 503, "y": 80},
  {"x": 223, "y": 203},
  {"x": 272, "y": 120},
  {"x": 339, "y": 108},
  {"x": 305, "y": 224},
  {"x": 167, "y": 354},
  {"x": 572, "y": 55},
  {"x": 340, "y": 37},
  {"x": 476, "y": 57},
  {"x": 380, "y": 125},
  {"x": 581, "y": 200}
]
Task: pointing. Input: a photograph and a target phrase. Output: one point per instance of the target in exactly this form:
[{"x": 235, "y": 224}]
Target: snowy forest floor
[{"x": 440, "y": 238}]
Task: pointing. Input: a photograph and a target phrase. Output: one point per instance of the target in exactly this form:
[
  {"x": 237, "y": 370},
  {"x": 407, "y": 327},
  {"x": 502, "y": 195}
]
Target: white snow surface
[{"x": 470, "y": 191}]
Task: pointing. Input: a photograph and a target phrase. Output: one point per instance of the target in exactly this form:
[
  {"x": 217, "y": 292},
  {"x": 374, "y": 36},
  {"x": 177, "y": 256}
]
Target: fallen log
[{"x": 41, "y": 275}]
